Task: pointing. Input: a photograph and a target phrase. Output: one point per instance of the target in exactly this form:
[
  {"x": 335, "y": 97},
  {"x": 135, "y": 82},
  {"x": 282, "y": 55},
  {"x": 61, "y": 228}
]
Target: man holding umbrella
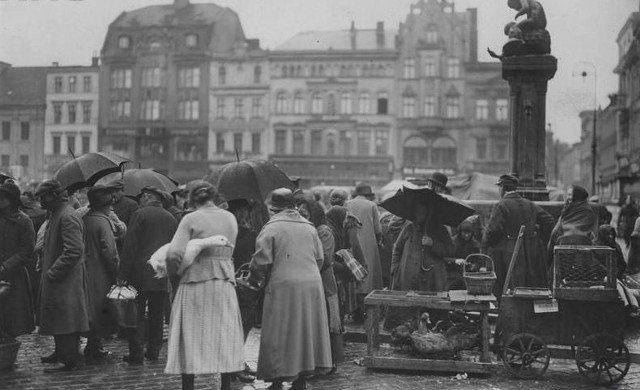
[{"x": 150, "y": 227}]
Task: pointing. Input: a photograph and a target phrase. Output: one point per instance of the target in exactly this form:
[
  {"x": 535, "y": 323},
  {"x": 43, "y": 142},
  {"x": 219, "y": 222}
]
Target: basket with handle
[{"x": 479, "y": 274}]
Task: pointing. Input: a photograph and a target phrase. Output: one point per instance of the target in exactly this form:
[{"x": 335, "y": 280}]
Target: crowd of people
[{"x": 61, "y": 253}]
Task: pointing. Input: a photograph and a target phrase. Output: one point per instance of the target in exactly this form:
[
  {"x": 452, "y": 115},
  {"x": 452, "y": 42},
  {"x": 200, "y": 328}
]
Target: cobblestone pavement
[{"x": 115, "y": 374}]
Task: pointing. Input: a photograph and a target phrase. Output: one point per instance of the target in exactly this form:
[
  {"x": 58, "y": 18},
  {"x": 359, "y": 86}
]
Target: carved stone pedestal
[{"x": 528, "y": 76}]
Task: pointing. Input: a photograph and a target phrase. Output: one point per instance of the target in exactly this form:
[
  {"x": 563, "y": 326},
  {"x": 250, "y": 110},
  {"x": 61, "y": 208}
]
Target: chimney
[
  {"x": 180, "y": 3},
  {"x": 352, "y": 34},
  {"x": 380, "y": 34},
  {"x": 473, "y": 34},
  {"x": 95, "y": 60}
]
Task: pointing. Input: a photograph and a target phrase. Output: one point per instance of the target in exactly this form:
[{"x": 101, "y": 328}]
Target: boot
[
  {"x": 188, "y": 381},
  {"x": 299, "y": 384},
  {"x": 225, "y": 381}
]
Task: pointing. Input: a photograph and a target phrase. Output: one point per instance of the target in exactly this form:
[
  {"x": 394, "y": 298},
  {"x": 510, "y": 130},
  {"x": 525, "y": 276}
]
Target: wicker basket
[
  {"x": 8, "y": 352},
  {"x": 479, "y": 274}
]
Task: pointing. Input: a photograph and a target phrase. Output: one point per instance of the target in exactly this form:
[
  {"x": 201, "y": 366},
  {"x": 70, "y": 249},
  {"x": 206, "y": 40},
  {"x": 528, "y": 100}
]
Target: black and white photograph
[{"x": 327, "y": 195}]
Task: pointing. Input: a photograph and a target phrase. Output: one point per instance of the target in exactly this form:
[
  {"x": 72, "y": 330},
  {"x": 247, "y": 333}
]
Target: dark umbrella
[
  {"x": 136, "y": 179},
  {"x": 5, "y": 176},
  {"x": 85, "y": 170},
  {"x": 250, "y": 179},
  {"x": 448, "y": 210}
]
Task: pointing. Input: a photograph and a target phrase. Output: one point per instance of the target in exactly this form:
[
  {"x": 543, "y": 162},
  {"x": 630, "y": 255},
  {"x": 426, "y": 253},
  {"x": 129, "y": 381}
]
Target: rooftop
[
  {"x": 339, "y": 40},
  {"x": 23, "y": 85}
]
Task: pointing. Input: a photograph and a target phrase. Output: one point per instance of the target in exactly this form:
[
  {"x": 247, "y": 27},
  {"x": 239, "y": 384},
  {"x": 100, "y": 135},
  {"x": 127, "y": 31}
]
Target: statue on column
[{"x": 528, "y": 36}]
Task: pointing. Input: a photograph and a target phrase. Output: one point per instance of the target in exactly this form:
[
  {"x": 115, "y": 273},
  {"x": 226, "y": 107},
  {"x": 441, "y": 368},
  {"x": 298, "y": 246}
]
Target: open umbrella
[
  {"x": 136, "y": 179},
  {"x": 85, "y": 170},
  {"x": 448, "y": 210},
  {"x": 5, "y": 176},
  {"x": 250, "y": 179}
]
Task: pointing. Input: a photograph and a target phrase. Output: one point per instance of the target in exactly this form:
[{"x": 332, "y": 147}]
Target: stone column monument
[{"x": 528, "y": 65}]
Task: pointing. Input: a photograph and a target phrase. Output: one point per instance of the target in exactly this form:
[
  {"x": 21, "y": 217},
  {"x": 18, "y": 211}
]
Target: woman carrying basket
[{"x": 205, "y": 330}]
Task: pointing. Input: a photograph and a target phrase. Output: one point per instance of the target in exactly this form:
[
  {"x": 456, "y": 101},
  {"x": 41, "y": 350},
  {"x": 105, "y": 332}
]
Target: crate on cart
[{"x": 586, "y": 273}]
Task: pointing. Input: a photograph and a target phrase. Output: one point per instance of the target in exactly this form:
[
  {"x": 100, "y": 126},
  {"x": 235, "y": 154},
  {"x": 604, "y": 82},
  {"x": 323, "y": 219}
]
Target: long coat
[
  {"x": 367, "y": 213},
  {"x": 16, "y": 255},
  {"x": 63, "y": 293},
  {"x": 102, "y": 268},
  {"x": 295, "y": 335},
  {"x": 500, "y": 236},
  {"x": 124, "y": 209},
  {"x": 150, "y": 227},
  {"x": 418, "y": 267}
]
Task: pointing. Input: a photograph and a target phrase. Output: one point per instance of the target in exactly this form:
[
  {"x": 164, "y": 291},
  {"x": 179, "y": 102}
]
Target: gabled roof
[
  {"x": 23, "y": 85},
  {"x": 338, "y": 40}
]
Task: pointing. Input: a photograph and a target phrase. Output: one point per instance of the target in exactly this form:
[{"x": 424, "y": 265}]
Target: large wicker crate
[{"x": 584, "y": 272}]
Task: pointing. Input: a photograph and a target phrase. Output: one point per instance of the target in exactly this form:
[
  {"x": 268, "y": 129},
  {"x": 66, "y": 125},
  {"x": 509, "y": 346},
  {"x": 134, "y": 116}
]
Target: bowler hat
[
  {"x": 364, "y": 190},
  {"x": 48, "y": 186},
  {"x": 11, "y": 191},
  {"x": 99, "y": 196},
  {"x": 282, "y": 199},
  {"x": 439, "y": 178},
  {"x": 508, "y": 180}
]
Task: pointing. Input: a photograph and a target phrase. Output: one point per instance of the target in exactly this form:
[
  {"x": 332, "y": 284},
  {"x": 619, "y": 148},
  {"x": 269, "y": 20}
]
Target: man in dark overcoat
[
  {"x": 150, "y": 227},
  {"x": 16, "y": 257},
  {"x": 63, "y": 294},
  {"x": 501, "y": 233},
  {"x": 123, "y": 206}
]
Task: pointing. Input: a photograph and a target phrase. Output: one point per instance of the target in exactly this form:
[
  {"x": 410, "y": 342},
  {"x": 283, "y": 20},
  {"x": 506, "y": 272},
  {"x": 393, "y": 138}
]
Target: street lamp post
[{"x": 594, "y": 144}]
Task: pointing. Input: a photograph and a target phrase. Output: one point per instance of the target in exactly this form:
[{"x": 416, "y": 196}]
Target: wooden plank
[
  {"x": 371, "y": 322},
  {"x": 586, "y": 294},
  {"x": 464, "y": 296},
  {"x": 453, "y": 366},
  {"x": 426, "y": 302},
  {"x": 486, "y": 335}
]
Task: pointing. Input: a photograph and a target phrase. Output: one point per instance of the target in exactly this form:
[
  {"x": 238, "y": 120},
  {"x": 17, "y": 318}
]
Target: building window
[
  {"x": 220, "y": 107},
  {"x": 220, "y": 143},
  {"x": 364, "y": 103},
  {"x": 86, "y": 84},
  {"x": 56, "y": 145},
  {"x": 409, "y": 106},
  {"x": 256, "y": 107},
  {"x": 298, "y": 103},
  {"x": 121, "y": 78},
  {"x": 363, "y": 142},
  {"x": 150, "y": 110},
  {"x": 502, "y": 109},
  {"x": 120, "y": 109},
  {"x": 316, "y": 142},
  {"x": 281, "y": 142},
  {"x": 237, "y": 142},
  {"x": 281, "y": 103},
  {"x": 257, "y": 74},
  {"x": 86, "y": 112},
  {"x": 71, "y": 144},
  {"x": 502, "y": 147},
  {"x": 345, "y": 103},
  {"x": 432, "y": 35},
  {"x": 416, "y": 152},
  {"x": 222, "y": 75},
  {"x": 86, "y": 144},
  {"x": 444, "y": 153},
  {"x": 57, "y": 113},
  {"x": 189, "y": 77},
  {"x": 316, "y": 103},
  {"x": 409, "y": 68},
  {"x": 382, "y": 142},
  {"x": 237, "y": 108},
  {"x": 429, "y": 106},
  {"x": 6, "y": 131},
  {"x": 24, "y": 160},
  {"x": 24, "y": 131},
  {"x": 453, "y": 106},
  {"x": 481, "y": 148},
  {"x": 331, "y": 104},
  {"x": 298, "y": 142},
  {"x": 72, "y": 83},
  {"x": 124, "y": 42},
  {"x": 383, "y": 103},
  {"x": 152, "y": 77},
  {"x": 189, "y": 110},
  {"x": 255, "y": 143},
  {"x": 6, "y": 160},
  {"x": 190, "y": 148},
  {"x": 71, "y": 108},
  {"x": 346, "y": 142},
  {"x": 482, "y": 109},
  {"x": 430, "y": 66},
  {"x": 57, "y": 84},
  {"x": 453, "y": 68},
  {"x": 191, "y": 40}
]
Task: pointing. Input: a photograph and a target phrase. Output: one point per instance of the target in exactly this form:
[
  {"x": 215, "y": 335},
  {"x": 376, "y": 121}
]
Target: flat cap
[
  {"x": 508, "y": 180},
  {"x": 282, "y": 199},
  {"x": 48, "y": 186}
]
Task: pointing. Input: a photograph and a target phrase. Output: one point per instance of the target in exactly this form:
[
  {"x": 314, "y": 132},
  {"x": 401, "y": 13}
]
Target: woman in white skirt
[{"x": 205, "y": 331}]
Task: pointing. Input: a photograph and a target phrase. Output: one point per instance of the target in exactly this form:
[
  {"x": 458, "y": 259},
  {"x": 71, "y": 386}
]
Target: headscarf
[
  {"x": 339, "y": 220},
  {"x": 580, "y": 194},
  {"x": 316, "y": 213}
]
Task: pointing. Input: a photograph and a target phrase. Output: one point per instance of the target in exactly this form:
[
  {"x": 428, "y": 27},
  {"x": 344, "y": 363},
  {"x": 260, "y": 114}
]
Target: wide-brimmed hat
[
  {"x": 508, "y": 180},
  {"x": 99, "y": 196},
  {"x": 282, "y": 199},
  {"x": 49, "y": 186},
  {"x": 439, "y": 179},
  {"x": 364, "y": 190},
  {"x": 11, "y": 191}
]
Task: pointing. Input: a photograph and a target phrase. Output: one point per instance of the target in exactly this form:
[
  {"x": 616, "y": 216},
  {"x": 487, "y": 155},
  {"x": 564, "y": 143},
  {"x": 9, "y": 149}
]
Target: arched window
[
  {"x": 345, "y": 103},
  {"x": 364, "y": 103},
  {"x": 298, "y": 103},
  {"x": 416, "y": 151},
  {"x": 316, "y": 103},
  {"x": 444, "y": 152},
  {"x": 281, "y": 103}
]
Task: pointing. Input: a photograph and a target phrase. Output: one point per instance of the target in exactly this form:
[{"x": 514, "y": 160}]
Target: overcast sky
[{"x": 37, "y": 32}]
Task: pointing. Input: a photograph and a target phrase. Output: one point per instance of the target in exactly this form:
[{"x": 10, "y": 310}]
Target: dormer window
[
  {"x": 432, "y": 35},
  {"x": 124, "y": 42},
  {"x": 191, "y": 40}
]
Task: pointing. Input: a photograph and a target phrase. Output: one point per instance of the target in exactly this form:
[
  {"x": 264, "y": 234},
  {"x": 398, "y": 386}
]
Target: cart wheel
[
  {"x": 525, "y": 356},
  {"x": 603, "y": 359}
]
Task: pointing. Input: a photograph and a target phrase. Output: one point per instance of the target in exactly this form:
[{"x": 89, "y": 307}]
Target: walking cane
[{"x": 514, "y": 256}]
